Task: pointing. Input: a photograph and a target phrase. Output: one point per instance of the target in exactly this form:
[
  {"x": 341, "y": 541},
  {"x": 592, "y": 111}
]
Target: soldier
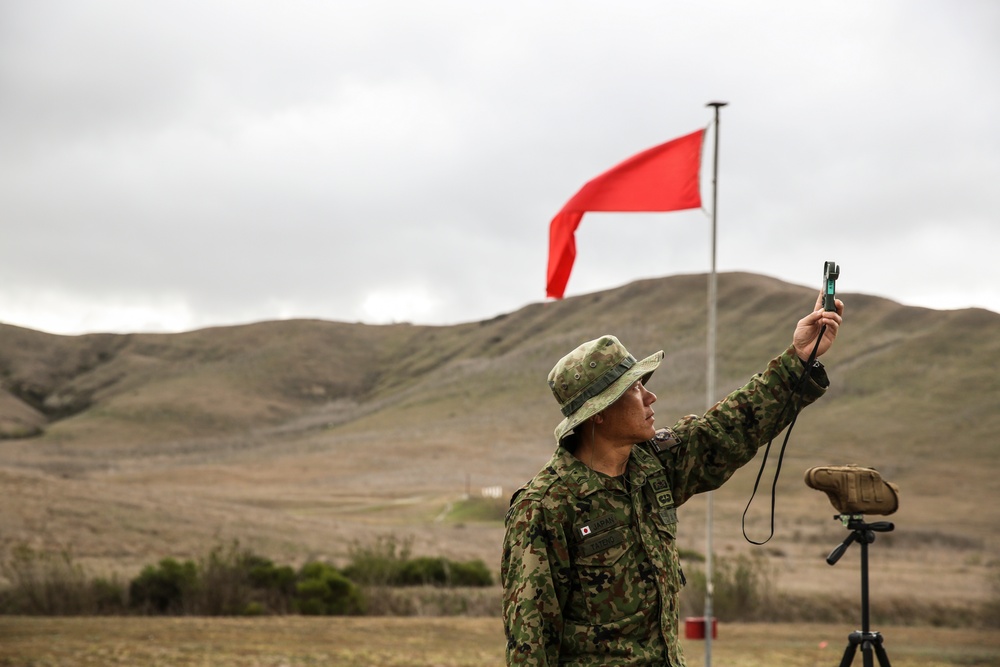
[{"x": 590, "y": 569}]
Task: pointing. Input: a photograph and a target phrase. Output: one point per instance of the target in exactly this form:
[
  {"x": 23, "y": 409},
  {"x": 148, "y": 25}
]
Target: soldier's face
[{"x": 630, "y": 418}]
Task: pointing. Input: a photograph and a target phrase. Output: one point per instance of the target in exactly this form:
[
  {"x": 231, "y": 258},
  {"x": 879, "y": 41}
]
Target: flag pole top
[{"x": 717, "y": 104}]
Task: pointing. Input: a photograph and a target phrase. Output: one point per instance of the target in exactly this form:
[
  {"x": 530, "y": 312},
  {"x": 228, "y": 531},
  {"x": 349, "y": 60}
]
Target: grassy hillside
[{"x": 299, "y": 437}]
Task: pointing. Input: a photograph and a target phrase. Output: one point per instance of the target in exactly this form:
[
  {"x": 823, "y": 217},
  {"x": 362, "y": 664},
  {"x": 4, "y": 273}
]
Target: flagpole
[{"x": 710, "y": 386}]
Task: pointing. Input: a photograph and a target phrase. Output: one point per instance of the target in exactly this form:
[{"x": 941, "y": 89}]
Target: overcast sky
[{"x": 166, "y": 166}]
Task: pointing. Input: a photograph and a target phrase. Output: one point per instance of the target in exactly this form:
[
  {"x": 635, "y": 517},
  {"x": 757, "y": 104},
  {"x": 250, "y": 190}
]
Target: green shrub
[
  {"x": 426, "y": 571},
  {"x": 109, "y": 596},
  {"x": 471, "y": 573},
  {"x": 423, "y": 571},
  {"x": 233, "y": 581},
  {"x": 387, "y": 563},
  {"x": 379, "y": 564},
  {"x": 274, "y": 585},
  {"x": 265, "y": 575},
  {"x": 166, "y": 588},
  {"x": 323, "y": 591},
  {"x": 229, "y": 581}
]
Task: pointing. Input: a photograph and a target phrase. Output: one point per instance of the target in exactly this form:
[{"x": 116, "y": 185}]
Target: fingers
[
  {"x": 807, "y": 331},
  {"x": 830, "y": 320},
  {"x": 837, "y": 315},
  {"x": 813, "y": 317},
  {"x": 819, "y": 301}
]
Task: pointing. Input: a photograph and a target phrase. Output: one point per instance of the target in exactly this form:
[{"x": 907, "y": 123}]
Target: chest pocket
[{"x": 605, "y": 569}]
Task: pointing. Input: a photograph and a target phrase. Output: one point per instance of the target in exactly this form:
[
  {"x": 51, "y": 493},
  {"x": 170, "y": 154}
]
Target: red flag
[{"x": 662, "y": 178}]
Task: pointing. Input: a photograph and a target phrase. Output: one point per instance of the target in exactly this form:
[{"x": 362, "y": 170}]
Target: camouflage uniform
[{"x": 590, "y": 568}]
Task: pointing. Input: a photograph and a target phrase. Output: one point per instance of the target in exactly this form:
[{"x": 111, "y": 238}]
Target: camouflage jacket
[{"x": 590, "y": 569}]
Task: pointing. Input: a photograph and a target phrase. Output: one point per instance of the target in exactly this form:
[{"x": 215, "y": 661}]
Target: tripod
[{"x": 864, "y": 534}]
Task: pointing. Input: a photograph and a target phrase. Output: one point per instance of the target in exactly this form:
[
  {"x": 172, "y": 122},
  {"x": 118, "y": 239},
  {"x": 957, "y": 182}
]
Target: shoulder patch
[{"x": 664, "y": 439}]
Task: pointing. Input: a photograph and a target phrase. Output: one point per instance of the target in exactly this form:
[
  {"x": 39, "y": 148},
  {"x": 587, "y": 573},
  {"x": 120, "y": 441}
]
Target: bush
[
  {"x": 422, "y": 572},
  {"x": 109, "y": 596},
  {"x": 49, "y": 584},
  {"x": 387, "y": 563},
  {"x": 471, "y": 573},
  {"x": 379, "y": 564},
  {"x": 274, "y": 584},
  {"x": 443, "y": 572},
  {"x": 166, "y": 588},
  {"x": 235, "y": 582},
  {"x": 322, "y": 590}
]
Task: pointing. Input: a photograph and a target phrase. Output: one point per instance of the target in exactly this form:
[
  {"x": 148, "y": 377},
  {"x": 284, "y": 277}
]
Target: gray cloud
[{"x": 167, "y": 166}]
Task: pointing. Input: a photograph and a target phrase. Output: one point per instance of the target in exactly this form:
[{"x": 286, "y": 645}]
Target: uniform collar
[{"x": 581, "y": 481}]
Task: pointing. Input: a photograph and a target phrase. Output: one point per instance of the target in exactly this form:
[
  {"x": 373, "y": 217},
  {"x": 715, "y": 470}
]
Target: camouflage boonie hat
[{"x": 592, "y": 377}]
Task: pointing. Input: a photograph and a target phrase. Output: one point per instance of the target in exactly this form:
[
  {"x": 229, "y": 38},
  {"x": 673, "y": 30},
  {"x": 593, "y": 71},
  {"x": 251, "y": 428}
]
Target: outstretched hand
[{"x": 808, "y": 329}]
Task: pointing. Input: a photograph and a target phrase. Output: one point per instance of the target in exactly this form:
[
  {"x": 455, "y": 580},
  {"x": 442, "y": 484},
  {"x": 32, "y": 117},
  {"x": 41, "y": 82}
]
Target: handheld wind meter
[{"x": 830, "y": 274}]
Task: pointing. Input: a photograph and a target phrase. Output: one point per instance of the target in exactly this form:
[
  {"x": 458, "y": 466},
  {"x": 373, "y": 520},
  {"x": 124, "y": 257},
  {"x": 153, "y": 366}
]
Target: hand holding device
[{"x": 830, "y": 274}]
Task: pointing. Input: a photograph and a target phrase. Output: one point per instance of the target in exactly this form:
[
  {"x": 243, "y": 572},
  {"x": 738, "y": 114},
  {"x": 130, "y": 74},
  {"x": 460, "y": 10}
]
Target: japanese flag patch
[{"x": 598, "y": 525}]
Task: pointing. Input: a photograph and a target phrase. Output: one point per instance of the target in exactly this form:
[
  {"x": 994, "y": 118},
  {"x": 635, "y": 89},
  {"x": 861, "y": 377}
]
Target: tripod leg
[
  {"x": 849, "y": 652},
  {"x": 867, "y": 659},
  {"x": 883, "y": 658}
]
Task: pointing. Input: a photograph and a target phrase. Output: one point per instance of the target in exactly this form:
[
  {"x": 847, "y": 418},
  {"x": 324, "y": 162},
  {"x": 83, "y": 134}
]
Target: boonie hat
[{"x": 592, "y": 377}]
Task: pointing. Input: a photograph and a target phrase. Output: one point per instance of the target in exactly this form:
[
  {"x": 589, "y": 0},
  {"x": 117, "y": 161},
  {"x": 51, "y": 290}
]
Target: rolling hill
[{"x": 301, "y": 438}]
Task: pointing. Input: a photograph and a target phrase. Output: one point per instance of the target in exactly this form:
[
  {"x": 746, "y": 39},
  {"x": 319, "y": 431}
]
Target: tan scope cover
[{"x": 855, "y": 490}]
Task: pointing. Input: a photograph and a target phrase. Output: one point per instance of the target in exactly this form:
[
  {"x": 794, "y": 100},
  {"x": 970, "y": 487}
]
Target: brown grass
[{"x": 393, "y": 642}]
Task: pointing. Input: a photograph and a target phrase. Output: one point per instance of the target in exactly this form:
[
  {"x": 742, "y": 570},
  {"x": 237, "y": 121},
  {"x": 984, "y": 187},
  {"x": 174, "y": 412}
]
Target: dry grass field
[
  {"x": 301, "y": 438},
  {"x": 422, "y": 642}
]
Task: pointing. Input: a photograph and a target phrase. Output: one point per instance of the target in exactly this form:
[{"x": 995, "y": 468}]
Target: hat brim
[{"x": 641, "y": 369}]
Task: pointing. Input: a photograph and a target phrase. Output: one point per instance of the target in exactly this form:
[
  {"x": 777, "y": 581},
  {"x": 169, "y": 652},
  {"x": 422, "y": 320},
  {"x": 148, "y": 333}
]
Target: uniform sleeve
[
  {"x": 533, "y": 555},
  {"x": 710, "y": 448}
]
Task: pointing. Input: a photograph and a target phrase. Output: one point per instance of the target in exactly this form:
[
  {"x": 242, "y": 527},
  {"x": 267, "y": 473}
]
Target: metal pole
[
  {"x": 865, "y": 615},
  {"x": 710, "y": 386}
]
